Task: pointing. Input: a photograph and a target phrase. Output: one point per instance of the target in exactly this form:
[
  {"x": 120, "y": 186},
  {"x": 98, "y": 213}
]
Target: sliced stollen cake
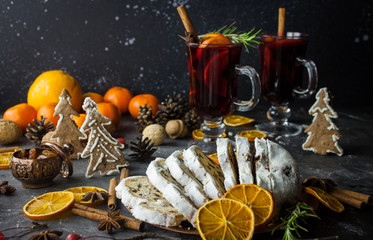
[
  {"x": 161, "y": 178},
  {"x": 182, "y": 175},
  {"x": 244, "y": 161},
  {"x": 228, "y": 162},
  {"x": 277, "y": 171},
  {"x": 206, "y": 171},
  {"x": 262, "y": 170},
  {"x": 146, "y": 203}
]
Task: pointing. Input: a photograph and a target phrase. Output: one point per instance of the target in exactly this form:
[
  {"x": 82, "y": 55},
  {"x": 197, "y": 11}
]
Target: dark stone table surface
[{"x": 353, "y": 171}]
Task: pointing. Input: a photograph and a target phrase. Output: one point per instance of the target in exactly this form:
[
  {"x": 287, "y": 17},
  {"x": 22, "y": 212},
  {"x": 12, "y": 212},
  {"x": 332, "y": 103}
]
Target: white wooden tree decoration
[
  {"x": 323, "y": 134},
  {"x": 67, "y": 131},
  {"x": 104, "y": 152}
]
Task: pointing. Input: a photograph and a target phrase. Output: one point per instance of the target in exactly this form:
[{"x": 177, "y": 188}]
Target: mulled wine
[
  {"x": 281, "y": 72},
  {"x": 213, "y": 78}
]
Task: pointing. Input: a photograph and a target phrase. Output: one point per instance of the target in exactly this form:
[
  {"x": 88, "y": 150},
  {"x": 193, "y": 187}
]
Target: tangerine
[
  {"x": 79, "y": 120},
  {"x": 22, "y": 114},
  {"x": 96, "y": 97},
  {"x": 48, "y": 86},
  {"x": 47, "y": 111},
  {"x": 120, "y": 97},
  {"x": 110, "y": 111},
  {"x": 142, "y": 100},
  {"x": 216, "y": 39}
]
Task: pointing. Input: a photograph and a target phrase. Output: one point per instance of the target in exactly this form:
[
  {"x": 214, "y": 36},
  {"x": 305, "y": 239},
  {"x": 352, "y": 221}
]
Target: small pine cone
[
  {"x": 180, "y": 100},
  {"x": 144, "y": 118},
  {"x": 192, "y": 120},
  {"x": 36, "y": 131}
]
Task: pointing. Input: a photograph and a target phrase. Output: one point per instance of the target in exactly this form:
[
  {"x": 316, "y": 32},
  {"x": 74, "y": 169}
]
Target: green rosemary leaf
[
  {"x": 290, "y": 223},
  {"x": 248, "y": 39}
]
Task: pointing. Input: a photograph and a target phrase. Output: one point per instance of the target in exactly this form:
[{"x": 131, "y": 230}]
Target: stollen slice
[
  {"x": 146, "y": 203},
  {"x": 228, "y": 162},
  {"x": 206, "y": 171},
  {"x": 161, "y": 178},
  {"x": 182, "y": 175},
  {"x": 244, "y": 161}
]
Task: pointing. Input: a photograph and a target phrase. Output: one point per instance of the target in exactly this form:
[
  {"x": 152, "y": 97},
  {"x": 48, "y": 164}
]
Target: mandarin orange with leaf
[
  {"x": 47, "y": 112},
  {"x": 22, "y": 114},
  {"x": 120, "y": 97},
  {"x": 142, "y": 100}
]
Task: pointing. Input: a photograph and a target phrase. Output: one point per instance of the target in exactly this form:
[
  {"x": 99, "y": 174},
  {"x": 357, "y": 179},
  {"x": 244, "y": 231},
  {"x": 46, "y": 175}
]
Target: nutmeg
[
  {"x": 176, "y": 129},
  {"x": 9, "y": 131},
  {"x": 156, "y": 133}
]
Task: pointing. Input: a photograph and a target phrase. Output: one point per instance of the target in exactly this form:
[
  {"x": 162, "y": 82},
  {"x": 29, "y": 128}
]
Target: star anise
[
  {"x": 323, "y": 183},
  {"x": 47, "y": 235},
  {"x": 96, "y": 195},
  {"x": 113, "y": 220},
  {"x": 6, "y": 189}
]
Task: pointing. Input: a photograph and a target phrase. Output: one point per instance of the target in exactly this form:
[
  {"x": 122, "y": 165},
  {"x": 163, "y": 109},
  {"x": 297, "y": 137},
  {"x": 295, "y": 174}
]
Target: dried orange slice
[
  {"x": 257, "y": 198},
  {"x": 5, "y": 158},
  {"x": 325, "y": 198},
  {"x": 214, "y": 157},
  {"x": 252, "y": 134},
  {"x": 49, "y": 205},
  {"x": 236, "y": 120},
  {"x": 197, "y": 134},
  {"x": 225, "y": 219},
  {"x": 79, "y": 193}
]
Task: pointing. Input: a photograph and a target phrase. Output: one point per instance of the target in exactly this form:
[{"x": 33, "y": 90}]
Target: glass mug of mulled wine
[
  {"x": 213, "y": 72},
  {"x": 282, "y": 60}
]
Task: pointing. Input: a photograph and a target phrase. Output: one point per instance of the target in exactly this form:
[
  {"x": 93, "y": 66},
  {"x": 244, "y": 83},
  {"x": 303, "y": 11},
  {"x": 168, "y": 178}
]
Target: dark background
[{"x": 135, "y": 44}]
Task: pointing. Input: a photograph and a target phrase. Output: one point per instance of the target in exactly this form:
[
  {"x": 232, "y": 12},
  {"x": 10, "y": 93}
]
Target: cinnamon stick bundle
[{"x": 99, "y": 215}]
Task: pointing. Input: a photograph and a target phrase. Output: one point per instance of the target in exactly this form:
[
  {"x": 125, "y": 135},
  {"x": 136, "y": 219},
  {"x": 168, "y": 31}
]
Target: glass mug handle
[
  {"x": 250, "y": 72},
  {"x": 312, "y": 79}
]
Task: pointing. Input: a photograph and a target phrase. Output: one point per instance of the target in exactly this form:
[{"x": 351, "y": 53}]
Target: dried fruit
[
  {"x": 81, "y": 192},
  {"x": 257, "y": 198},
  {"x": 236, "y": 120},
  {"x": 325, "y": 198},
  {"x": 225, "y": 219},
  {"x": 252, "y": 134}
]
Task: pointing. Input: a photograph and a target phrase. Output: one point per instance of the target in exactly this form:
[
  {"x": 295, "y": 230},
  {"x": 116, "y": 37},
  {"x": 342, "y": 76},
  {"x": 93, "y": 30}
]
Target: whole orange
[
  {"x": 97, "y": 98},
  {"x": 110, "y": 111},
  {"x": 79, "y": 120},
  {"x": 47, "y": 111},
  {"x": 48, "y": 86},
  {"x": 22, "y": 114},
  {"x": 142, "y": 100},
  {"x": 120, "y": 97}
]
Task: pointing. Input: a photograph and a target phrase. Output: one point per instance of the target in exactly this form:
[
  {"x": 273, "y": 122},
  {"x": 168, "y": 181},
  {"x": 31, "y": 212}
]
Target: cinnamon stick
[
  {"x": 124, "y": 173},
  {"x": 8, "y": 149},
  {"x": 367, "y": 199},
  {"x": 112, "y": 201},
  {"x": 187, "y": 23},
  {"x": 99, "y": 215},
  {"x": 281, "y": 22},
  {"x": 353, "y": 202}
]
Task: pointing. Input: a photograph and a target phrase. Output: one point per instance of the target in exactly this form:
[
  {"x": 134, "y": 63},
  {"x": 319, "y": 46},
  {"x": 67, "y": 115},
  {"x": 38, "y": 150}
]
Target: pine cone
[
  {"x": 173, "y": 107},
  {"x": 144, "y": 118},
  {"x": 192, "y": 120},
  {"x": 143, "y": 148},
  {"x": 35, "y": 132}
]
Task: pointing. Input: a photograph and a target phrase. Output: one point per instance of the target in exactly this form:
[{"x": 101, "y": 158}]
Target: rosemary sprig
[
  {"x": 290, "y": 223},
  {"x": 248, "y": 39}
]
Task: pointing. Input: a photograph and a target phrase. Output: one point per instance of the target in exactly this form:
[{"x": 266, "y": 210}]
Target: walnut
[
  {"x": 176, "y": 129},
  {"x": 155, "y": 133}
]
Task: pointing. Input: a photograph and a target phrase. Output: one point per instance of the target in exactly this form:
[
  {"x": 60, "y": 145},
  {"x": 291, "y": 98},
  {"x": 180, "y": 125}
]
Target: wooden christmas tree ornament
[
  {"x": 323, "y": 134},
  {"x": 104, "y": 152},
  {"x": 66, "y": 131}
]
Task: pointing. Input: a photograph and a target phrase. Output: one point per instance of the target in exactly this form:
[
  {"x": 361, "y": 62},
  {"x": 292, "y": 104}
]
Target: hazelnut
[
  {"x": 155, "y": 133},
  {"x": 176, "y": 129}
]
